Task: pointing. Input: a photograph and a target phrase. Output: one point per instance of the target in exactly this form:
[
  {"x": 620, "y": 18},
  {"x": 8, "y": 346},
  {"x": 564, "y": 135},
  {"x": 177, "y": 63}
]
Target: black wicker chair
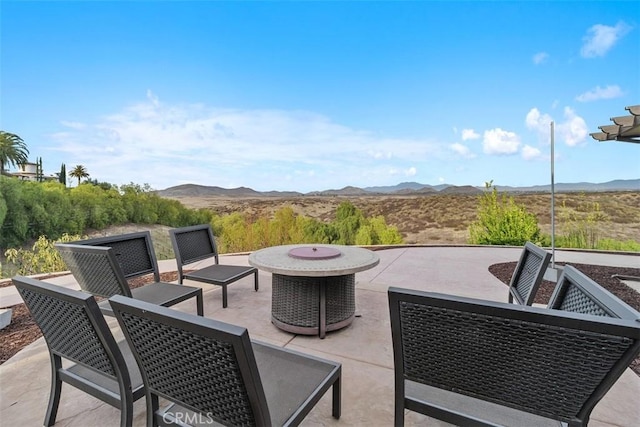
[
  {"x": 210, "y": 371},
  {"x": 481, "y": 363},
  {"x": 197, "y": 243},
  {"x": 76, "y": 331},
  {"x": 102, "y": 266},
  {"x": 578, "y": 293},
  {"x": 528, "y": 274}
]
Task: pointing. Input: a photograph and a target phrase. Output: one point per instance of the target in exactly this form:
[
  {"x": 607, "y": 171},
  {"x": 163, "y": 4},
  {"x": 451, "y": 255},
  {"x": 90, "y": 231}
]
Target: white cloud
[
  {"x": 540, "y": 58},
  {"x": 73, "y": 125},
  {"x": 601, "y": 38},
  {"x": 609, "y": 92},
  {"x": 537, "y": 121},
  {"x": 462, "y": 150},
  {"x": 499, "y": 141},
  {"x": 164, "y": 145},
  {"x": 469, "y": 134},
  {"x": 573, "y": 130},
  {"x": 530, "y": 153}
]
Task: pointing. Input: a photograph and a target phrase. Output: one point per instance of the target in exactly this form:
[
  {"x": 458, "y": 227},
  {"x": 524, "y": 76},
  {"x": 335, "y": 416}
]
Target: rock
[{"x": 5, "y": 317}]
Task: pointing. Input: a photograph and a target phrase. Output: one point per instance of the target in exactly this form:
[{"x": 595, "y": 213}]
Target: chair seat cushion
[
  {"x": 164, "y": 294},
  {"x": 220, "y": 274},
  {"x": 289, "y": 379},
  {"x": 480, "y": 409},
  {"x": 95, "y": 377}
]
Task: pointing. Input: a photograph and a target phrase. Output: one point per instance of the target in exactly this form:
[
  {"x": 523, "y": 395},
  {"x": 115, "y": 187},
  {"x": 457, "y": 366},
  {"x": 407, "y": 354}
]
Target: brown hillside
[{"x": 445, "y": 218}]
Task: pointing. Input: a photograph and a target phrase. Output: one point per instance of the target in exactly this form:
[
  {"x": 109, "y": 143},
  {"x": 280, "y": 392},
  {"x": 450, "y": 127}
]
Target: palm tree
[
  {"x": 79, "y": 172},
  {"x": 13, "y": 150}
]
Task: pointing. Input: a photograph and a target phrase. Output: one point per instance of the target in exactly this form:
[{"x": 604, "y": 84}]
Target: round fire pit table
[{"x": 313, "y": 286}]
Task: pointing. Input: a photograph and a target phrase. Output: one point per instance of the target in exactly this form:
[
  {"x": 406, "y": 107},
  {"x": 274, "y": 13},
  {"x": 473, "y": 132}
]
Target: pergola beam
[{"x": 624, "y": 129}]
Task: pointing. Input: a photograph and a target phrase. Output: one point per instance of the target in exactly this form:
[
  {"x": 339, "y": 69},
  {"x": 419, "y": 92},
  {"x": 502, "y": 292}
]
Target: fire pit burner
[{"x": 314, "y": 253}]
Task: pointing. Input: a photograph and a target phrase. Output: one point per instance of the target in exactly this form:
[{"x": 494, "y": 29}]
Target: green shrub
[
  {"x": 579, "y": 225},
  {"x": 237, "y": 233},
  {"x": 42, "y": 258},
  {"x": 500, "y": 221},
  {"x": 32, "y": 209}
]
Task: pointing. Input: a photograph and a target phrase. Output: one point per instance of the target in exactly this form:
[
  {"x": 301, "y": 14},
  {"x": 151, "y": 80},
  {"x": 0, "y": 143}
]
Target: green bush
[
  {"x": 32, "y": 209},
  {"x": 501, "y": 221},
  {"x": 237, "y": 233},
  {"x": 42, "y": 258},
  {"x": 579, "y": 225}
]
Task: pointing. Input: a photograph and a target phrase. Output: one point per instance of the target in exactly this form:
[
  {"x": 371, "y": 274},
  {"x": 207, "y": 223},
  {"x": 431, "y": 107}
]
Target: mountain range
[{"x": 404, "y": 188}]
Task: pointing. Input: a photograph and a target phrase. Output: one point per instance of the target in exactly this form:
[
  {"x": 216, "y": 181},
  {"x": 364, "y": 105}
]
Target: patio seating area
[{"x": 364, "y": 348}]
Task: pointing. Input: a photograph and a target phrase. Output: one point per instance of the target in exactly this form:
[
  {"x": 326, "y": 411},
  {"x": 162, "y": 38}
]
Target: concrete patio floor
[{"x": 364, "y": 348}]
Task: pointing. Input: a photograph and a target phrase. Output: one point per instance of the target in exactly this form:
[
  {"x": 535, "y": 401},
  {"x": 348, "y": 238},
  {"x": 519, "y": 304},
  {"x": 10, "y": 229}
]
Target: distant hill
[
  {"x": 464, "y": 189},
  {"x": 194, "y": 190},
  {"x": 405, "y": 188},
  {"x": 346, "y": 191},
  {"x": 616, "y": 185}
]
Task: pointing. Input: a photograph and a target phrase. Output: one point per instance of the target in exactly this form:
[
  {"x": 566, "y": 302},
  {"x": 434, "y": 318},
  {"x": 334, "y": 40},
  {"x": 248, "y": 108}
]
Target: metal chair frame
[
  {"x": 197, "y": 243},
  {"x": 528, "y": 274},
  {"x": 102, "y": 266},
  {"x": 212, "y": 372},
  {"x": 576, "y": 292},
  {"x": 76, "y": 331},
  {"x": 481, "y": 363}
]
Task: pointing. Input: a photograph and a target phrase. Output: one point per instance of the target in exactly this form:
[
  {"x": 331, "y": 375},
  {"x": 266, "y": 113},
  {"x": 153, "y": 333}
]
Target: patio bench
[{"x": 476, "y": 362}]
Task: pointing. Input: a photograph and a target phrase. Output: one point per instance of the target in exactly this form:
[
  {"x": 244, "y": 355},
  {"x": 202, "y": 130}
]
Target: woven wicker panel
[
  {"x": 68, "y": 330},
  {"x": 528, "y": 274},
  {"x": 194, "y": 245},
  {"x": 133, "y": 256},
  {"x": 194, "y": 370},
  {"x": 93, "y": 272},
  {"x": 295, "y": 300},
  {"x": 341, "y": 298},
  {"x": 575, "y": 300},
  {"x": 528, "y": 366}
]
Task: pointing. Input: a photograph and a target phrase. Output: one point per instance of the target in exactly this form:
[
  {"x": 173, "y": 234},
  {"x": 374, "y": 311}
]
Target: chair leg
[
  {"x": 337, "y": 393},
  {"x": 126, "y": 408},
  {"x": 256, "y": 280},
  {"x": 152, "y": 410},
  {"x": 200, "y": 304},
  {"x": 54, "y": 394},
  {"x": 398, "y": 412},
  {"x": 224, "y": 296}
]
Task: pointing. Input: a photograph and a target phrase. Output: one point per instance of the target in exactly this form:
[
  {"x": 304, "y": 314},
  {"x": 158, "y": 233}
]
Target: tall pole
[{"x": 553, "y": 203}]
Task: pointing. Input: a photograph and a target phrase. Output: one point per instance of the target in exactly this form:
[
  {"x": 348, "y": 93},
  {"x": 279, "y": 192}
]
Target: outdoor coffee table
[{"x": 313, "y": 286}]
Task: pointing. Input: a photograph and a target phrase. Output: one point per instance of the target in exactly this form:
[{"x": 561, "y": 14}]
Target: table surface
[{"x": 277, "y": 260}]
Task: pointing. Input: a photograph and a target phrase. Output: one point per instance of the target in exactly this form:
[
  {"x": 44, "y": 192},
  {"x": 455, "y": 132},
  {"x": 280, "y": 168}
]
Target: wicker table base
[{"x": 312, "y": 305}]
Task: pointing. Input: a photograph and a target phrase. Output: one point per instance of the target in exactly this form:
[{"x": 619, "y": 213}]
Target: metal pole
[{"x": 553, "y": 203}]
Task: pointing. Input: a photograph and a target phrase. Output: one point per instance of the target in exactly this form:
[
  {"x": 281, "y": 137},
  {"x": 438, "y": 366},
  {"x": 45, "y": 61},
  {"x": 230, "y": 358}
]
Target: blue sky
[{"x": 319, "y": 95}]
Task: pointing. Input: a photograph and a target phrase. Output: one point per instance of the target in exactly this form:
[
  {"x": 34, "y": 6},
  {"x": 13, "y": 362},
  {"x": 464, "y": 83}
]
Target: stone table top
[{"x": 276, "y": 259}]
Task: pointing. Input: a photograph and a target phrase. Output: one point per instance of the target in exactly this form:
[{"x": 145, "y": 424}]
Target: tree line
[{"x": 30, "y": 209}]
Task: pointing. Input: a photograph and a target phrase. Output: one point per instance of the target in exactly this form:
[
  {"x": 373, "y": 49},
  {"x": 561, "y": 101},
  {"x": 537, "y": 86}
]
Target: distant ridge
[
  {"x": 405, "y": 188},
  {"x": 465, "y": 189},
  {"x": 194, "y": 190}
]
